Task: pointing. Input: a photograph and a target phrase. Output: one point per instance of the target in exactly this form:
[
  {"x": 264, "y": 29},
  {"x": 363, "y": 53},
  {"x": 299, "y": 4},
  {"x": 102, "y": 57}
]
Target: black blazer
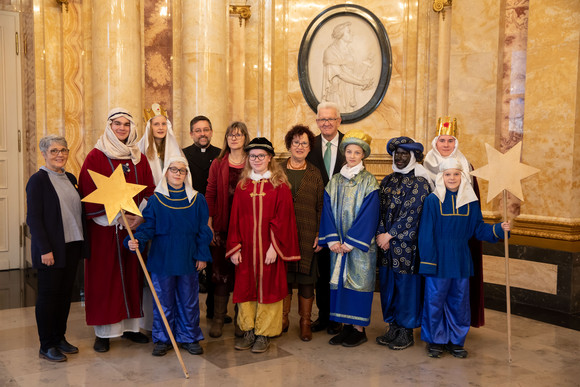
[
  {"x": 316, "y": 158},
  {"x": 199, "y": 163},
  {"x": 45, "y": 220}
]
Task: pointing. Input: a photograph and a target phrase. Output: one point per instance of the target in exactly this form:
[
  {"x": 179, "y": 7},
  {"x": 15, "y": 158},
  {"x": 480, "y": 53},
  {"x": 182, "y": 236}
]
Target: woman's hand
[
  {"x": 133, "y": 244},
  {"x": 200, "y": 265},
  {"x": 236, "y": 258},
  {"x": 47, "y": 259},
  {"x": 134, "y": 221},
  {"x": 506, "y": 226},
  {"x": 210, "y": 225},
  {"x": 383, "y": 240},
  {"x": 315, "y": 246},
  {"x": 270, "y": 255}
]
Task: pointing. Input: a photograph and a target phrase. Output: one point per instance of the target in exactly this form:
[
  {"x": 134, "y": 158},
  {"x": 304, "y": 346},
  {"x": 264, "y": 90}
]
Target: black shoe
[
  {"x": 457, "y": 351},
  {"x": 355, "y": 338},
  {"x": 339, "y": 339},
  {"x": 333, "y": 328},
  {"x": 101, "y": 344},
  {"x": 435, "y": 350},
  {"x": 136, "y": 337},
  {"x": 319, "y": 325},
  {"x": 403, "y": 340},
  {"x": 228, "y": 319},
  {"x": 193, "y": 348},
  {"x": 52, "y": 354},
  {"x": 389, "y": 335},
  {"x": 161, "y": 349},
  {"x": 66, "y": 347}
]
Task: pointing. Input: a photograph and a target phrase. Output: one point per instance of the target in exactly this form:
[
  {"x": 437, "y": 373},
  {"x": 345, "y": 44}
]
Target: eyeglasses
[
  {"x": 260, "y": 157},
  {"x": 182, "y": 171},
  {"x": 298, "y": 144},
  {"x": 325, "y": 120},
  {"x": 235, "y": 135},
  {"x": 55, "y": 152}
]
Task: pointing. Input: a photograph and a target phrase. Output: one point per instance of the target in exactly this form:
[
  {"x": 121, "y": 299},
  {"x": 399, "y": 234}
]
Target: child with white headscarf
[
  {"x": 451, "y": 216},
  {"x": 176, "y": 222}
]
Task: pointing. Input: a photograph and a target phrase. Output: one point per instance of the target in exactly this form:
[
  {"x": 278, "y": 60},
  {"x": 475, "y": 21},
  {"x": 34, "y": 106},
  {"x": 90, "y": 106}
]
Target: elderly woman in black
[{"x": 54, "y": 217}]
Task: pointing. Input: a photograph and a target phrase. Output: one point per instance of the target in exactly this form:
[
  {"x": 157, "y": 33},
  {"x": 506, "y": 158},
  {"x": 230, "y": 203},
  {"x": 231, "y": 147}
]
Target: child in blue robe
[
  {"x": 451, "y": 216},
  {"x": 176, "y": 221}
]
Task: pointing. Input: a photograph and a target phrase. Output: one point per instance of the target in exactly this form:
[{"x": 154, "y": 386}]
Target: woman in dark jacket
[
  {"x": 54, "y": 217},
  {"x": 307, "y": 192}
]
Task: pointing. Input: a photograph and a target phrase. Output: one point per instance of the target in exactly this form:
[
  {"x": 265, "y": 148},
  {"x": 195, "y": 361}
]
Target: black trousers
[
  {"x": 54, "y": 297},
  {"x": 323, "y": 285}
]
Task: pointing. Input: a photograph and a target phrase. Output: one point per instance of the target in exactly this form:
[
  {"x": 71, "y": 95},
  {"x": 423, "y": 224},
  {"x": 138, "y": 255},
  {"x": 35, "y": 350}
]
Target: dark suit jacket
[
  {"x": 199, "y": 163},
  {"x": 45, "y": 220},
  {"x": 315, "y": 157}
]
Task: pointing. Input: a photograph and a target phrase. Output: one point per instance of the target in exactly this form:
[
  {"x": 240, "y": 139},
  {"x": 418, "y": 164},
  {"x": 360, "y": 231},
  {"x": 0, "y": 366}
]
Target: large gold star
[
  {"x": 114, "y": 193},
  {"x": 504, "y": 171}
]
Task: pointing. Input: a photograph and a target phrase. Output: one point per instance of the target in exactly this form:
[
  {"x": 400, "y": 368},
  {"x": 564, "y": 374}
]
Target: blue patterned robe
[{"x": 350, "y": 214}]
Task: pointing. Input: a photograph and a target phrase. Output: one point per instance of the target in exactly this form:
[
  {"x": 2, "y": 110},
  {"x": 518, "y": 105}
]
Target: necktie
[{"x": 327, "y": 158}]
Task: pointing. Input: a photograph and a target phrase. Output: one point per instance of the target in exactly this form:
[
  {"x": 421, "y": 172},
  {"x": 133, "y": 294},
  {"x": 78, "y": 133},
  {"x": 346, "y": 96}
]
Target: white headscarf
[
  {"x": 465, "y": 193},
  {"x": 419, "y": 169},
  {"x": 163, "y": 187},
  {"x": 111, "y": 146},
  {"x": 171, "y": 149},
  {"x": 433, "y": 159}
]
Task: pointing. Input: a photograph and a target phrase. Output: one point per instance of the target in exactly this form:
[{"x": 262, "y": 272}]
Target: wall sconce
[
  {"x": 242, "y": 10},
  {"x": 63, "y": 2}
]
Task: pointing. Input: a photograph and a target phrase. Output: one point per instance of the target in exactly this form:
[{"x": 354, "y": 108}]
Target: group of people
[{"x": 317, "y": 221}]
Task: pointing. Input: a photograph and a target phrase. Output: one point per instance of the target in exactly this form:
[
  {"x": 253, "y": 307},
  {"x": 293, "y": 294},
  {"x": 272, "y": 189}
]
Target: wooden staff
[
  {"x": 507, "y": 278},
  {"x": 177, "y": 352}
]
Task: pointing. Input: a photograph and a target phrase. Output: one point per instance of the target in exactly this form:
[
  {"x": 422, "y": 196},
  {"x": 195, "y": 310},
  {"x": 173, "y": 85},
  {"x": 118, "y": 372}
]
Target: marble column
[
  {"x": 237, "y": 66},
  {"x": 443, "y": 52},
  {"x": 116, "y": 60},
  {"x": 204, "y": 76}
]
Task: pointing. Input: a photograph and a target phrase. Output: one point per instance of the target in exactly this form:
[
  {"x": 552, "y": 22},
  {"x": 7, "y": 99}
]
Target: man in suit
[
  {"x": 326, "y": 157},
  {"x": 199, "y": 156}
]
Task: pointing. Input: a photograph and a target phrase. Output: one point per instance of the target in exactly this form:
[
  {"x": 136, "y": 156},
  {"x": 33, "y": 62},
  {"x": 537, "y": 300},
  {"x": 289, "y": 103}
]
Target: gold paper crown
[
  {"x": 447, "y": 126},
  {"x": 359, "y": 138},
  {"x": 156, "y": 110},
  {"x": 358, "y": 134}
]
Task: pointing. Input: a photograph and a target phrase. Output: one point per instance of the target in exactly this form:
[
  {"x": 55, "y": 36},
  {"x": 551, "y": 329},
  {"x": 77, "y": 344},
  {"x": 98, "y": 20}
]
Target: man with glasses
[
  {"x": 326, "y": 157},
  {"x": 200, "y": 155}
]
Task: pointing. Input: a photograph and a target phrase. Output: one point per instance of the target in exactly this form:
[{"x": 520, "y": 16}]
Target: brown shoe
[
  {"x": 305, "y": 311},
  {"x": 285, "y": 310},
  {"x": 220, "y": 310}
]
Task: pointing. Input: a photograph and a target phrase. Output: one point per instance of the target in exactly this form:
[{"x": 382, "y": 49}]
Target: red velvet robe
[
  {"x": 262, "y": 214},
  {"x": 113, "y": 276}
]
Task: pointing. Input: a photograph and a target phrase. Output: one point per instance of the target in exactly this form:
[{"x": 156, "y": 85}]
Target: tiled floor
[{"x": 543, "y": 355}]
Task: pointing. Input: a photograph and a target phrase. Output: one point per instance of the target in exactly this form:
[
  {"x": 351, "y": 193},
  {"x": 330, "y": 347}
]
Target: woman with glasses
[
  {"x": 113, "y": 275},
  {"x": 224, "y": 175},
  {"x": 307, "y": 189},
  {"x": 55, "y": 219},
  {"x": 261, "y": 237},
  {"x": 176, "y": 223}
]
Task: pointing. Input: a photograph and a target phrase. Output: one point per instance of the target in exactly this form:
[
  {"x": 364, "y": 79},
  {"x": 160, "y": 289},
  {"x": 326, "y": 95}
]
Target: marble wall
[{"x": 502, "y": 54}]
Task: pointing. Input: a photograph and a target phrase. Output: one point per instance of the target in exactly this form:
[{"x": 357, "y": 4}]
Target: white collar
[
  {"x": 349, "y": 173},
  {"x": 334, "y": 141},
  {"x": 257, "y": 177}
]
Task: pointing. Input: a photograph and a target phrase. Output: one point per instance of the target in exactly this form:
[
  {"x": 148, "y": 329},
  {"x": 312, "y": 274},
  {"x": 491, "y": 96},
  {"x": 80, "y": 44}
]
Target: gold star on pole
[
  {"x": 114, "y": 193},
  {"x": 504, "y": 171}
]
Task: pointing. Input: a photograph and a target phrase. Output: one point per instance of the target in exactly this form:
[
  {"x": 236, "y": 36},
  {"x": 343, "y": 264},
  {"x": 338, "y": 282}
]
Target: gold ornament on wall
[
  {"x": 243, "y": 11},
  {"x": 439, "y": 6},
  {"x": 63, "y": 3}
]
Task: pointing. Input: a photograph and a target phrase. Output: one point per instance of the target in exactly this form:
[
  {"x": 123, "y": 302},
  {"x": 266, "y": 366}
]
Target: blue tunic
[
  {"x": 443, "y": 235},
  {"x": 350, "y": 214},
  {"x": 179, "y": 232}
]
